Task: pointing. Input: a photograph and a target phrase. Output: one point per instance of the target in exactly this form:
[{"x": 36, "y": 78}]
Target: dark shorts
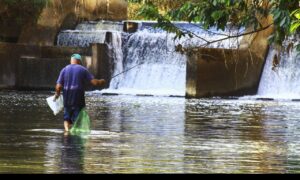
[{"x": 71, "y": 113}]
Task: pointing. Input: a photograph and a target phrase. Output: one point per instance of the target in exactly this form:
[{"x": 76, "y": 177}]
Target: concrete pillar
[
  {"x": 130, "y": 27},
  {"x": 102, "y": 62},
  {"x": 222, "y": 72},
  {"x": 228, "y": 72},
  {"x": 108, "y": 38}
]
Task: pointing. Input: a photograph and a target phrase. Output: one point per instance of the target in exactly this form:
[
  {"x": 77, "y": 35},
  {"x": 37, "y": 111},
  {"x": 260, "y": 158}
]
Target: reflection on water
[
  {"x": 73, "y": 146},
  {"x": 151, "y": 135}
]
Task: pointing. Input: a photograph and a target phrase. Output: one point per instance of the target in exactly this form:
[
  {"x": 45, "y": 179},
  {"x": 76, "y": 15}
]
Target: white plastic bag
[{"x": 56, "y": 106}]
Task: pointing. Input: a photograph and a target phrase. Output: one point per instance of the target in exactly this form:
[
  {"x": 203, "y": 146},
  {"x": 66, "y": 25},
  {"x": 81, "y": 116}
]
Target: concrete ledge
[
  {"x": 177, "y": 96},
  {"x": 110, "y": 94},
  {"x": 145, "y": 95},
  {"x": 130, "y": 27},
  {"x": 265, "y": 99}
]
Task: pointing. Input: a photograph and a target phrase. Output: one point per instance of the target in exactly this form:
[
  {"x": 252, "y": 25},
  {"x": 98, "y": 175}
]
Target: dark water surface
[{"x": 151, "y": 135}]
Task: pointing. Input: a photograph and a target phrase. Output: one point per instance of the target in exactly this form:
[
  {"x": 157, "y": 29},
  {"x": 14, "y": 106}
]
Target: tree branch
[
  {"x": 225, "y": 38},
  {"x": 238, "y": 35}
]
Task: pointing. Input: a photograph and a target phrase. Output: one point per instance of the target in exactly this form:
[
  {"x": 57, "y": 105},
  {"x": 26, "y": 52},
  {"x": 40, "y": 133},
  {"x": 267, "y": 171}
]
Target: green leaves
[
  {"x": 220, "y": 13},
  {"x": 296, "y": 14},
  {"x": 149, "y": 12},
  {"x": 294, "y": 26},
  {"x": 217, "y": 15},
  {"x": 296, "y": 22},
  {"x": 285, "y": 22},
  {"x": 215, "y": 2},
  {"x": 281, "y": 17}
]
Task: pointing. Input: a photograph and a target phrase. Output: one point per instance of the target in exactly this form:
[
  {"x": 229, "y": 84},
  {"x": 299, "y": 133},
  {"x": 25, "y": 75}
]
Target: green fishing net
[{"x": 82, "y": 123}]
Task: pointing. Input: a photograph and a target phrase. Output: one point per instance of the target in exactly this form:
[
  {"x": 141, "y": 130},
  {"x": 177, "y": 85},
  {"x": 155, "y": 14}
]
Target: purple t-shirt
[{"x": 73, "y": 78}]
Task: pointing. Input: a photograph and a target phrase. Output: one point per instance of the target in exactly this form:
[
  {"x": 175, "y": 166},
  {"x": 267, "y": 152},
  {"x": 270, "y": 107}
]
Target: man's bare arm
[
  {"x": 98, "y": 82},
  {"x": 58, "y": 90}
]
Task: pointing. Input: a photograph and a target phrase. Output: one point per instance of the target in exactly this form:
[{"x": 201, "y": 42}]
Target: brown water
[{"x": 151, "y": 135}]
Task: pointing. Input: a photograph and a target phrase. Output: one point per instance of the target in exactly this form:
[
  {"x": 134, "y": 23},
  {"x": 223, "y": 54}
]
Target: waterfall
[
  {"x": 86, "y": 33},
  {"x": 117, "y": 52},
  {"x": 158, "y": 68},
  {"x": 79, "y": 38},
  {"x": 282, "y": 82}
]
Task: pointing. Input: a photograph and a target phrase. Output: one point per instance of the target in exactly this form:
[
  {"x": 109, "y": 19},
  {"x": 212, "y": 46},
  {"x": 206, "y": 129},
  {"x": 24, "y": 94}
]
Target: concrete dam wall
[
  {"x": 229, "y": 72},
  {"x": 35, "y": 61},
  {"x": 33, "y": 67},
  {"x": 31, "y": 59}
]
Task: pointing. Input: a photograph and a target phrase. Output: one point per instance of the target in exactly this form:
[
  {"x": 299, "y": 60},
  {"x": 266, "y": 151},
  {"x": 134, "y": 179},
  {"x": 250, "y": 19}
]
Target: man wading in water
[{"x": 71, "y": 81}]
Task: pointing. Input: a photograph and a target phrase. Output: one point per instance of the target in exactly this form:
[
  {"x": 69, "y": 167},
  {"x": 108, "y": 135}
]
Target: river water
[{"x": 132, "y": 134}]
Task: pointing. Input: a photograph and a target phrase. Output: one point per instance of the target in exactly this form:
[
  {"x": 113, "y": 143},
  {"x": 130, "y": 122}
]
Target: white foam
[
  {"x": 142, "y": 92},
  {"x": 283, "y": 82},
  {"x": 58, "y": 131},
  {"x": 93, "y": 133}
]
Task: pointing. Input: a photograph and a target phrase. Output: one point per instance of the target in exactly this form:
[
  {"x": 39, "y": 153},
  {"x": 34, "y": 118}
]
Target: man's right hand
[
  {"x": 98, "y": 82},
  {"x": 101, "y": 82}
]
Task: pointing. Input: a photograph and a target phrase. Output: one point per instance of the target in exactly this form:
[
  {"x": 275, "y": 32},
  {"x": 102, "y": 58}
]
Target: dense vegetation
[
  {"x": 221, "y": 13},
  {"x": 162, "y": 5}
]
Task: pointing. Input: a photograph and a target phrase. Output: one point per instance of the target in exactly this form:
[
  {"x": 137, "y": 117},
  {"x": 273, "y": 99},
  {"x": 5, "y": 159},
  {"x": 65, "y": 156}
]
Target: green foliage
[
  {"x": 281, "y": 10},
  {"x": 220, "y": 13},
  {"x": 163, "y": 6},
  {"x": 209, "y": 13},
  {"x": 296, "y": 20},
  {"x": 295, "y": 15}
]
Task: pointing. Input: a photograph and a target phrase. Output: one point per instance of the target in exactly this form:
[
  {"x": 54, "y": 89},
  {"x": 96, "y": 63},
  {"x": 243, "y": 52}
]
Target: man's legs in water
[
  {"x": 67, "y": 125},
  {"x": 70, "y": 116}
]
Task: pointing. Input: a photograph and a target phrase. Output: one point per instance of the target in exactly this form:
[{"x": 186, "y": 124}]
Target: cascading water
[
  {"x": 159, "y": 69},
  {"x": 87, "y": 32},
  {"x": 283, "y": 81},
  {"x": 78, "y": 38}
]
